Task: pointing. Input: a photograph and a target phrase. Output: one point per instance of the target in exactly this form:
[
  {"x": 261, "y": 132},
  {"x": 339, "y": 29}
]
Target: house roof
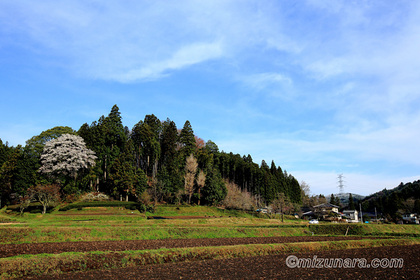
[
  {"x": 326, "y": 205},
  {"x": 309, "y": 213},
  {"x": 350, "y": 211}
]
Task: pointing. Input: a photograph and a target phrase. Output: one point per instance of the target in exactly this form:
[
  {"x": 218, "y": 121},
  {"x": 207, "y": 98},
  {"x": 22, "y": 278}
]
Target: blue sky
[{"x": 320, "y": 87}]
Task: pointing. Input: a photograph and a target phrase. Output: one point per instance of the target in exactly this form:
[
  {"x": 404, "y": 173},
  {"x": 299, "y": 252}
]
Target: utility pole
[
  {"x": 341, "y": 183},
  {"x": 361, "y": 214}
]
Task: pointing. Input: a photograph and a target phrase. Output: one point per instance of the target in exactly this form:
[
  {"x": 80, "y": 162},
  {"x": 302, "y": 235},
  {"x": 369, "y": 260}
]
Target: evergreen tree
[
  {"x": 417, "y": 206},
  {"x": 352, "y": 206},
  {"x": 153, "y": 148},
  {"x": 215, "y": 189},
  {"x": 169, "y": 174},
  {"x": 294, "y": 190},
  {"x": 36, "y": 143},
  {"x": 332, "y": 199},
  {"x": 124, "y": 178},
  {"x": 168, "y": 142},
  {"x": 211, "y": 147},
  {"x": 8, "y": 174},
  {"x": 110, "y": 137},
  {"x": 4, "y": 152},
  {"x": 147, "y": 147},
  {"x": 187, "y": 139},
  {"x": 17, "y": 173}
]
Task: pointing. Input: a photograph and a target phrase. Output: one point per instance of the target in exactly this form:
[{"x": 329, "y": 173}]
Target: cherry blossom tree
[{"x": 66, "y": 155}]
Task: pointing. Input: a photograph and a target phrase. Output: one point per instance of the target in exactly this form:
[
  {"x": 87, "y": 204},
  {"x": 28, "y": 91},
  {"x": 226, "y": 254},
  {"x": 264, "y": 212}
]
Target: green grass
[
  {"x": 200, "y": 211},
  {"x": 118, "y": 223},
  {"x": 100, "y": 223},
  {"x": 366, "y": 229},
  {"x": 113, "y": 223}
]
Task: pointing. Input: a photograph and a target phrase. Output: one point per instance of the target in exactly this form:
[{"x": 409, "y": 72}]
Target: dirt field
[
  {"x": 268, "y": 267},
  {"x": 9, "y": 250}
]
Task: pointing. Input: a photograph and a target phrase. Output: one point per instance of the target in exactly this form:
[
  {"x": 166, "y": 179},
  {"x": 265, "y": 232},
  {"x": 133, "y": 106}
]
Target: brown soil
[
  {"x": 267, "y": 267},
  {"x": 8, "y": 250},
  {"x": 97, "y": 214},
  {"x": 183, "y": 217}
]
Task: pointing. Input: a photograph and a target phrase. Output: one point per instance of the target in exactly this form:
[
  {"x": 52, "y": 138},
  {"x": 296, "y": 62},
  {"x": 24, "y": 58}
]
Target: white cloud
[
  {"x": 346, "y": 72},
  {"x": 184, "y": 57},
  {"x": 272, "y": 82}
]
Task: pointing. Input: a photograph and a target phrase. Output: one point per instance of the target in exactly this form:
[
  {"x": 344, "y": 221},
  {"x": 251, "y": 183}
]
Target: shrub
[
  {"x": 127, "y": 204},
  {"x": 337, "y": 229},
  {"x": 34, "y": 207},
  {"x": 238, "y": 199},
  {"x": 95, "y": 196}
]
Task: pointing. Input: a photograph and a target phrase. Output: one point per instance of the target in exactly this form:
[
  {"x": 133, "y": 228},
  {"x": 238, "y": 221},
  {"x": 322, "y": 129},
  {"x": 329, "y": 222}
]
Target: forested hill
[
  {"x": 152, "y": 155},
  {"x": 395, "y": 202}
]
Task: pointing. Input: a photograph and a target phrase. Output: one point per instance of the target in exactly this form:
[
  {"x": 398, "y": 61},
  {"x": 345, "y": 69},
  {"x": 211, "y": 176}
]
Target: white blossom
[{"x": 66, "y": 155}]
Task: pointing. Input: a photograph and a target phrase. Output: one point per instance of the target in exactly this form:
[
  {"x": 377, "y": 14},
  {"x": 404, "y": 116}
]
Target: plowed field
[
  {"x": 8, "y": 250},
  {"x": 268, "y": 267}
]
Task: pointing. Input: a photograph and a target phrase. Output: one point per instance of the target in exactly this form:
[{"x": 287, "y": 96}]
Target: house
[
  {"x": 309, "y": 215},
  {"x": 351, "y": 215},
  {"x": 326, "y": 210},
  {"x": 410, "y": 219}
]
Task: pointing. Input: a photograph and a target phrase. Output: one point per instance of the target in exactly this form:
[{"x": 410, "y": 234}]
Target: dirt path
[
  {"x": 8, "y": 250},
  {"x": 268, "y": 267}
]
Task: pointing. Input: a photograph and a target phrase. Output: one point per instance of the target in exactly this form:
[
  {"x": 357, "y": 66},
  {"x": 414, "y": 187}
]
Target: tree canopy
[
  {"x": 66, "y": 155},
  {"x": 152, "y": 156}
]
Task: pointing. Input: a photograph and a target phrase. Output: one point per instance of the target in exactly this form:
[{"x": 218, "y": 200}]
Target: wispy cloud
[
  {"x": 364, "y": 184},
  {"x": 263, "y": 80},
  {"x": 184, "y": 57},
  {"x": 319, "y": 85}
]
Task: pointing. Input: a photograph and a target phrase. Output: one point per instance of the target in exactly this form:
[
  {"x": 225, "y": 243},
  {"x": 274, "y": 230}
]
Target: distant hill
[
  {"x": 344, "y": 197},
  {"x": 395, "y": 202}
]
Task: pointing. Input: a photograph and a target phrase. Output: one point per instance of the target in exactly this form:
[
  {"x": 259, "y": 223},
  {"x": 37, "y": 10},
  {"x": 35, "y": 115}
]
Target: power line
[{"x": 341, "y": 183}]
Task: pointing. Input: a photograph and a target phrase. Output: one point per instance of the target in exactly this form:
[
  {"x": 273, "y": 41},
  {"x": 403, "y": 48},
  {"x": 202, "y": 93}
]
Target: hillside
[
  {"x": 344, "y": 197},
  {"x": 395, "y": 202},
  {"x": 155, "y": 160}
]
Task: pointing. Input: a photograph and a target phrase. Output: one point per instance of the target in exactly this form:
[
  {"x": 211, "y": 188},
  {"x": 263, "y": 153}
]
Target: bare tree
[
  {"x": 305, "y": 193},
  {"x": 238, "y": 199},
  {"x": 47, "y": 195},
  {"x": 24, "y": 202},
  {"x": 281, "y": 205},
  {"x": 190, "y": 171},
  {"x": 201, "y": 181}
]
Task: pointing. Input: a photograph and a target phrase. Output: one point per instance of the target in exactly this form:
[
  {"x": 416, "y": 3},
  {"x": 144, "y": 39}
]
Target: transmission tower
[{"x": 341, "y": 183}]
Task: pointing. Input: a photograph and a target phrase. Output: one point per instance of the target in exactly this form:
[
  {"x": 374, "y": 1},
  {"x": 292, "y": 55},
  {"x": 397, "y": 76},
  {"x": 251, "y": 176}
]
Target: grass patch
[
  {"x": 126, "y": 204},
  {"x": 13, "y": 235},
  {"x": 366, "y": 229},
  {"x": 200, "y": 211}
]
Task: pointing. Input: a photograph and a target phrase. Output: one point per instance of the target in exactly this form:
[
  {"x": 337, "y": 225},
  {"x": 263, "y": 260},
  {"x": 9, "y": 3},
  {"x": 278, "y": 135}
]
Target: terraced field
[{"x": 187, "y": 243}]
